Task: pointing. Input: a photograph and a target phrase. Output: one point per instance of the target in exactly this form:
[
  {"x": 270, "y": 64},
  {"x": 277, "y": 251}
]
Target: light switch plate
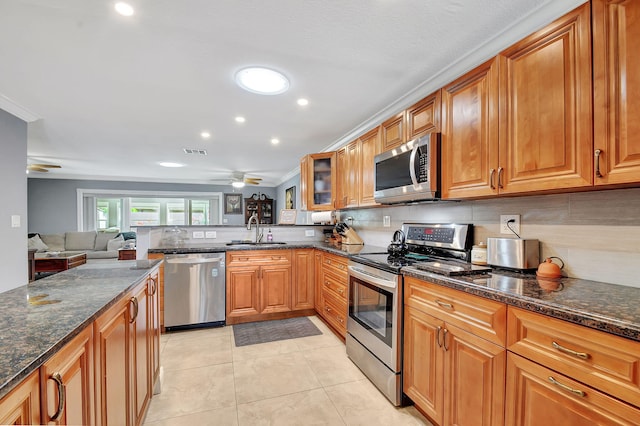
[
  {"x": 198, "y": 234},
  {"x": 386, "y": 221},
  {"x": 309, "y": 233},
  {"x": 211, "y": 234},
  {"x": 15, "y": 221}
]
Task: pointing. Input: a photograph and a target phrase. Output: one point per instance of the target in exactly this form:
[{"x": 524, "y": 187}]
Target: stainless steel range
[{"x": 374, "y": 324}]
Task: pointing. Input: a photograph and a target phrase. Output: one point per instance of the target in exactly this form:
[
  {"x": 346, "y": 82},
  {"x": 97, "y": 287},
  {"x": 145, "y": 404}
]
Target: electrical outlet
[
  {"x": 386, "y": 221},
  {"x": 211, "y": 234},
  {"x": 198, "y": 234},
  {"x": 513, "y": 226},
  {"x": 309, "y": 233}
]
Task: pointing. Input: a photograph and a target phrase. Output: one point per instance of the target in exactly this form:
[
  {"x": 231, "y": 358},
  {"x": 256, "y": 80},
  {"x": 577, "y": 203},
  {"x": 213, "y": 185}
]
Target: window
[{"x": 107, "y": 210}]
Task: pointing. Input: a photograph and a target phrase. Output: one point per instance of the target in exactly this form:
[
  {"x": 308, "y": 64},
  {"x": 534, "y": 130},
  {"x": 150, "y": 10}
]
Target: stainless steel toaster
[{"x": 513, "y": 253}]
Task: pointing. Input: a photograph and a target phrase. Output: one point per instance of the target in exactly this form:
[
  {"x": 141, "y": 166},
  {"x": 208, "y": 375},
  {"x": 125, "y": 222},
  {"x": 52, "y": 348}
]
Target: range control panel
[{"x": 445, "y": 235}]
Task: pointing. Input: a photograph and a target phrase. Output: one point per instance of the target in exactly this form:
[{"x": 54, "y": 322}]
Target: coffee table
[{"x": 45, "y": 262}]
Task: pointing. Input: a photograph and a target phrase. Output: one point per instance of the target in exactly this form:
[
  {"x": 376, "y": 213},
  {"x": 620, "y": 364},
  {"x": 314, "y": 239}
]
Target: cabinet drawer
[
  {"x": 336, "y": 264},
  {"x": 261, "y": 256},
  {"x": 540, "y": 396},
  {"x": 606, "y": 362},
  {"x": 482, "y": 317},
  {"x": 335, "y": 285},
  {"x": 335, "y": 312}
]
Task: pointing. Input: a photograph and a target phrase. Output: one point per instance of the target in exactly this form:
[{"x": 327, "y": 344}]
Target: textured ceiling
[{"x": 113, "y": 96}]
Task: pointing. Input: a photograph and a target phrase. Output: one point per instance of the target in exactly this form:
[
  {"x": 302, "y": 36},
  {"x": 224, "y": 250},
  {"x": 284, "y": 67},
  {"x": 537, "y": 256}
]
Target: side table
[{"x": 127, "y": 254}]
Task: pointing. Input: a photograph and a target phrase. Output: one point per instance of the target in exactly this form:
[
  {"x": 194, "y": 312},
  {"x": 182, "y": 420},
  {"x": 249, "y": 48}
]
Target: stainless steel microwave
[{"x": 410, "y": 172}]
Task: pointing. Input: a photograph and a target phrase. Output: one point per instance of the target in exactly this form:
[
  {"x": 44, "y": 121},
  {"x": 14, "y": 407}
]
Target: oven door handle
[{"x": 373, "y": 279}]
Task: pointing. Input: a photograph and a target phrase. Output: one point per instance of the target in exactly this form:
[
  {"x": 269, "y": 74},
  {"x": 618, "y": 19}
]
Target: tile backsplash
[{"x": 596, "y": 234}]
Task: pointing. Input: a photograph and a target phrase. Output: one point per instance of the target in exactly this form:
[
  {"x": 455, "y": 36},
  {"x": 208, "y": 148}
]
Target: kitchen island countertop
[{"x": 39, "y": 318}]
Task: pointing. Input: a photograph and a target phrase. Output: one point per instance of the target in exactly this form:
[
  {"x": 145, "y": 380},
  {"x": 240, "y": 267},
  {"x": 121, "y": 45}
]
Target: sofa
[{"x": 97, "y": 245}]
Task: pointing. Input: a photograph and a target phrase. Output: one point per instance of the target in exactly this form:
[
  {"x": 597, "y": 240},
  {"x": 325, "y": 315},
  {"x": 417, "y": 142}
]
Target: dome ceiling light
[{"x": 263, "y": 81}]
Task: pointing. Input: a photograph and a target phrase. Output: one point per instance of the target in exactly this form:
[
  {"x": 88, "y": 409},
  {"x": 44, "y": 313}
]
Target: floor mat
[{"x": 271, "y": 331}]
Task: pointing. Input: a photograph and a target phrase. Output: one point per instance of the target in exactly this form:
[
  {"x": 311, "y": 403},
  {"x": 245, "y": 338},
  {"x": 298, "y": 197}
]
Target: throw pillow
[
  {"x": 101, "y": 240},
  {"x": 54, "y": 241},
  {"x": 115, "y": 243},
  {"x": 80, "y": 240},
  {"x": 36, "y": 243}
]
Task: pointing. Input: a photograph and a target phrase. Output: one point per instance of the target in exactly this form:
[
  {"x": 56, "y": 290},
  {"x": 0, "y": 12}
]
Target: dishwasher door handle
[{"x": 193, "y": 261}]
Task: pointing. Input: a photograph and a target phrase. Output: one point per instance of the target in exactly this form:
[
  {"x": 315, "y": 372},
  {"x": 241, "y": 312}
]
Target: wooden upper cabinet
[
  {"x": 470, "y": 133},
  {"x": 319, "y": 186},
  {"x": 341, "y": 173},
  {"x": 392, "y": 133},
  {"x": 352, "y": 173},
  {"x": 304, "y": 179},
  {"x": 616, "y": 76},
  {"x": 545, "y": 108},
  {"x": 423, "y": 117},
  {"x": 369, "y": 148}
]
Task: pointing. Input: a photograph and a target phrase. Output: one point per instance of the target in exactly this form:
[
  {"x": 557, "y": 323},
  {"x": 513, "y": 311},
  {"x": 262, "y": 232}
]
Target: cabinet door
[
  {"x": 539, "y": 396},
  {"x": 424, "y": 362},
  {"x": 140, "y": 357},
  {"x": 545, "y": 108},
  {"x": 353, "y": 173},
  {"x": 322, "y": 181},
  {"x": 67, "y": 383},
  {"x": 111, "y": 337},
  {"x": 470, "y": 134},
  {"x": 242, "y": 291},
  {"x": 616, "y": 76},
  {"x": 423, "y": 117},
  {"x": 392, "y": 132},
  {"x": 160, "y": 286},
  {"x": 21, "y": 406},
  {"x": 369, "y": 148},
  {"x": 275, "y": 288},
  {"x": 302, "y": 291},
  {"x": 342, "y": 174},
  {"x": 304, "y": 180},
  {"x": 318, "y": 280},
  {"x": 154, "y": 326},
  {"x": 475, "y": 379}
]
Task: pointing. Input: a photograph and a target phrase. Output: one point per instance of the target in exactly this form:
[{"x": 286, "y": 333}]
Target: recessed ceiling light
[
  {"x": 170, "y": 164},
  {"x": 263, "y": 81},
  {"x": 275, "y": 141},
  {"x": 124, "y": 9},
  {"x": 240, "y": 119},
  {"x": 238, "y": 184},
  {"x": 205, "y": 135},
  {"x": 303, "y": 102}
]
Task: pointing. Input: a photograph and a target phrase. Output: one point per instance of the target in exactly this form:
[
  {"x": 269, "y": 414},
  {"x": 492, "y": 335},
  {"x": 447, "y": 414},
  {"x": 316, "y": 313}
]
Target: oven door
[{"x": 374, "y": 314}]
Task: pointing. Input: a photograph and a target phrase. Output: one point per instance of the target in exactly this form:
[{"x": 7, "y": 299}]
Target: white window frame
[{"x": 81, "y": 193}]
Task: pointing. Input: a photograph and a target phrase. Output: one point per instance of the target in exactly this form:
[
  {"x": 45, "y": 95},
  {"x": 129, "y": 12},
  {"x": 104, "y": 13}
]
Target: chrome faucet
[{"x": 254, "y": 217}]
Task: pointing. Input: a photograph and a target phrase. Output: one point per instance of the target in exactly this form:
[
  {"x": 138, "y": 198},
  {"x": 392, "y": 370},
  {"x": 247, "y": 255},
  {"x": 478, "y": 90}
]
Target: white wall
[{"x": 13, "y": 193}]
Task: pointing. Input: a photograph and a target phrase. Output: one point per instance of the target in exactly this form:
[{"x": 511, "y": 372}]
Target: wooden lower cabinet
[
  {"x": 160, "y": 286},
  {"x": 67, "y": 383},
  {"x": 302, "y": 281},
  {"x": 21, "y": 406},
  {"x": 452, "y": 375},
  {"x": 153, "y": 289},
  {"x": 332, "y": 284},
  {"x": 540, "y": 396},
  {"x": 275, "y": 288},
  {"x": 123, "y": 374},
  {"x": 317, "y": 264}
]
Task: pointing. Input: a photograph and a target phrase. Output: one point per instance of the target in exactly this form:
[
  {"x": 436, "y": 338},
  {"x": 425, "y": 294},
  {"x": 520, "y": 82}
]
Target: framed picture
[
  {"x": 290, "y": 198},
  {"x": 288, "y": 217},
  {"x": 232, "y": 203}
]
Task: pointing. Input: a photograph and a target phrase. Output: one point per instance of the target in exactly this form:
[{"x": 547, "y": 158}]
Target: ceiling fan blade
[
  {"x": 46, "y": 166},
  {"x": 34, "y": 168}
]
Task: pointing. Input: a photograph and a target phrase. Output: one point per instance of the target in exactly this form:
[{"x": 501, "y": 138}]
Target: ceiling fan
[
  {"x": 42, "y": 168},
  {"x": 238, "y": 180}
]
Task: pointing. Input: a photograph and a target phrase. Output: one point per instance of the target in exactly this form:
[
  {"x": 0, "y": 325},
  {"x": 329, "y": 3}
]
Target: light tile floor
[{"x": 306, "y": 381}]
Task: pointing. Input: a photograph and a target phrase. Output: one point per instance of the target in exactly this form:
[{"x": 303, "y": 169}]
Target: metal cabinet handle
[
  {"x": 500, "y": 170},
  {"x": 341, "y": 291},
  {"x": 62, "y": 396},
  {"x": 341, "y": 266},
  {"x": 444, "y": 304},
  {"x": 576, "y": 392},
  {"x": 438, "y": 331},
  {"x": 444, "y": 339},
  {"x": 328, "y": 262},
  {"x": 581, "y": 355},
  {"x": 598, "y": 173},
  {"x": 492, "y": 174},
  {"x": 154, "y": 287},
  {"x": 134, "y": 302}
]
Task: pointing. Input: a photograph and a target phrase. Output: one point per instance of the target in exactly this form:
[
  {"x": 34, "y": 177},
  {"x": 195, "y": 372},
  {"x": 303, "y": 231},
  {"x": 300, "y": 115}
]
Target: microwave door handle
[{"x": 412, "y": 166}]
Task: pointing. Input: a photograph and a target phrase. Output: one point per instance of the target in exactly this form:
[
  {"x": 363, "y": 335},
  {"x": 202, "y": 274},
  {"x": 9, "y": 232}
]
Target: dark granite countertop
[
  {"x": 223, "y": 247},
  {"x": 39, "y": 318},
  {"x": 606, "y": 307}
]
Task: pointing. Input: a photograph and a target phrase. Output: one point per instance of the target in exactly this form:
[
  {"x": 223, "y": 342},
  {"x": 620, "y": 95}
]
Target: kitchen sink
[{"x": 251, "y": 243}]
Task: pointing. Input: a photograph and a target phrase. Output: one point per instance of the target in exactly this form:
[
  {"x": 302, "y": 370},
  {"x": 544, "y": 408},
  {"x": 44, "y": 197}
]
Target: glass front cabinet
[{"x": 318, "y": 181}]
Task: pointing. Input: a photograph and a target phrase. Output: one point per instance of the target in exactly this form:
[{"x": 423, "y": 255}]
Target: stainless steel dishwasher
[{"x": 194, "y": 290}]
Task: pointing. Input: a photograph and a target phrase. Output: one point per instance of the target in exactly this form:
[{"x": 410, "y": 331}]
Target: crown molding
[{"x": 19, "y": 111}]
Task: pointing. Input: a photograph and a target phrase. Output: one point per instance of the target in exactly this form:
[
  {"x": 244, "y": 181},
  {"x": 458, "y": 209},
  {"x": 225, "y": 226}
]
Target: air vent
[{"x": 195, "y": 151}]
